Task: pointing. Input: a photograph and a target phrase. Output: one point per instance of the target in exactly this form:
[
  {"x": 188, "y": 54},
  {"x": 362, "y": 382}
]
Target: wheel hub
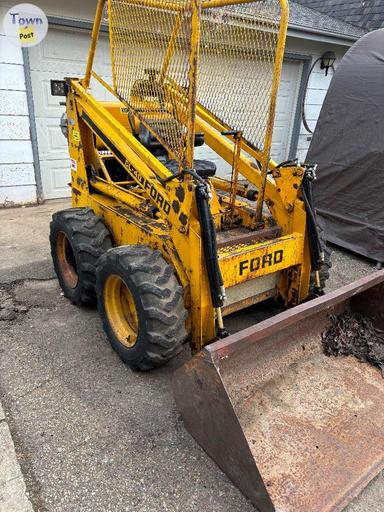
[
  {"x": 66, "y": 259},
  {"x": 121, "y": 310}
]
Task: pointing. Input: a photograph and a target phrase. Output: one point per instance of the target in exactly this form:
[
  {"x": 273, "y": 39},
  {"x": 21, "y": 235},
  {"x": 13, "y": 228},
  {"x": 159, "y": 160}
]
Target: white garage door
[
  {"x": 284, "y": 121},
  {"x": 63, "y": 53}
]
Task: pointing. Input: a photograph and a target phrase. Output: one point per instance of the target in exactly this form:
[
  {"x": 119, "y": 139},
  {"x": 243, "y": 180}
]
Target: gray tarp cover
[{"x": 348, "y": 146}]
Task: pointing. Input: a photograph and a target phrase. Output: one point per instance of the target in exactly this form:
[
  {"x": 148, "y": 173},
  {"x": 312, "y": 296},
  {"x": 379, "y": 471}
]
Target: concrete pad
[
  {"x": 371, "y": 499},
  {"x": 49, "y": 295},
  {"x": 95, "y": 435},
  {"x": 13, "y": 497},
  {"x": 9, "y": 467},
  {"x": 24, "y": 236},
  {"x": 347, "y": 267}
]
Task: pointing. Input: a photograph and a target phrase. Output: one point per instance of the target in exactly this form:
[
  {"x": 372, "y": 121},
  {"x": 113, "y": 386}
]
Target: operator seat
[{"x": 204, "y": 168}]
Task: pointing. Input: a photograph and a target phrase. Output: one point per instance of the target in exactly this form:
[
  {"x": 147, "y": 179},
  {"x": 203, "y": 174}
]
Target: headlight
[{"x": 64, "y": 125}]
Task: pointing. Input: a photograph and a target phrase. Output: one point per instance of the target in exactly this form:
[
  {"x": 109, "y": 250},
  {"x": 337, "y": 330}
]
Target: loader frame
[
  {"x": 100, "y": 130},
  {"x": 284, "y": 421}
]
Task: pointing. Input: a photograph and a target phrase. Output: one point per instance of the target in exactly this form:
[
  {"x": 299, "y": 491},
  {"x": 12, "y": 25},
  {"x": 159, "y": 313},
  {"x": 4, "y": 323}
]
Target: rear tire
[
  {"x": 141, "y": 306},
  {"x": 78, "y": 238}
]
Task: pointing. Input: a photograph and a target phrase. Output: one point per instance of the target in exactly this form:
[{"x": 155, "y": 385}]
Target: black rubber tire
[
  {"x": 89, "y": 239},
  {"x": 159, "y": 304},
  {"x": 324, "y": 271}
]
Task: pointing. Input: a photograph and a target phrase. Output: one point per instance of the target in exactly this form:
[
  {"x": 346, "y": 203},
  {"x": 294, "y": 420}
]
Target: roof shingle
[
  {"x": 309, "y": 20},
  {"x": 367, "y": 14},
  {"x": 305, "y": 17}
]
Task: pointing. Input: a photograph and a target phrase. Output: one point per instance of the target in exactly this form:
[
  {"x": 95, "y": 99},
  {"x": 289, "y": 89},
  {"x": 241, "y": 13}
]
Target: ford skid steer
[{"x": 168, "y": 246}]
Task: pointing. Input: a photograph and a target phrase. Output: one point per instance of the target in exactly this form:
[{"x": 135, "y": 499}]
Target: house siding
[
  {"x": 317, "y": 87},
  {"x": 17, "y": 176}
]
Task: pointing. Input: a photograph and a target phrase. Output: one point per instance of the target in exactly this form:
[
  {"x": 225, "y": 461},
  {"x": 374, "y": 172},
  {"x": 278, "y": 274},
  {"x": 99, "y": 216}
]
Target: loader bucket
[{"x": 295, "y": 430}]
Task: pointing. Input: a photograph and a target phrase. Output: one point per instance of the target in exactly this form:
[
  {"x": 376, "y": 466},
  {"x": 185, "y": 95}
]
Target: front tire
[
  {"x": 78, "y": 238},
  {"x": 141, "y": 306}
]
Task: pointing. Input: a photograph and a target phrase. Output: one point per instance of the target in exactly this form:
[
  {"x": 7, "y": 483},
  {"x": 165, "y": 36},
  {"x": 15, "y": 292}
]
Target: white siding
[
  {"x": 17, "y": 177},
  {"x": 317, "y": 87}
]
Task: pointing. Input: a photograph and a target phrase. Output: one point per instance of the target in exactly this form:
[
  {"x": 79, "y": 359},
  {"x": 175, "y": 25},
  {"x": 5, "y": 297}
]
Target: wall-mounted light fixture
[{"x": 327, "y": 61}]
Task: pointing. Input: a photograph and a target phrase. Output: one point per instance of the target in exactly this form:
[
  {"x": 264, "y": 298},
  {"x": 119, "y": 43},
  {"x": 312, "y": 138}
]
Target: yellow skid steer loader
[{"x": 168, "y": 247}]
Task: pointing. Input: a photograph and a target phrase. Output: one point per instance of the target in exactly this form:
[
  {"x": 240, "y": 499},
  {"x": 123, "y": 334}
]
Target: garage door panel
[
  {"x": 234, "y": 70},
  {"x": 46, "y": 105},
  {"x": 285, "y": 112},
  {"x": 52, "y": 143},
  {"x": 277, "y": 149},
  {"x": 206, "y": 153},
  {"x": 55, "y": 178},
  {"x": 279, "y": 137},
  {"x": 65, "y": 53},
  {"x": 100, "y": 92},
  {"x": 103, "y": 54},
  {"x": 64, "y": 69},
  {"x": 286, "y": 109},
  {"x": 61, "y": 52}
]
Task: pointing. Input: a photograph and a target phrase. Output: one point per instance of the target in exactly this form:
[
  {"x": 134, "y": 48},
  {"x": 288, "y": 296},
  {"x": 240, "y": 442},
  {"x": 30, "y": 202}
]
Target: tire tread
[
  {"x": 162, "y": 300},
  {"x": 91, "y": 240}
]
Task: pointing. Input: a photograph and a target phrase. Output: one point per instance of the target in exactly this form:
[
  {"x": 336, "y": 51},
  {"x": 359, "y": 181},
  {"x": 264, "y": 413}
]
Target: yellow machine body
[
  {"x": 99, "y": 131},
  {"x": 168, "y": 249}
]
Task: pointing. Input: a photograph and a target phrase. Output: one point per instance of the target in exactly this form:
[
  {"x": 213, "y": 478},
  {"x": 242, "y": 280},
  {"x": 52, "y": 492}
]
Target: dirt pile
[{"x": 354, "y": 334}]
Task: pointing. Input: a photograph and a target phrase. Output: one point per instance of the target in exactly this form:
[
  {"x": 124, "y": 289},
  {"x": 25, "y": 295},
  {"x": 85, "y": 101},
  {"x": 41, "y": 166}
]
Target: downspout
[{"x": 32, "y": 127}]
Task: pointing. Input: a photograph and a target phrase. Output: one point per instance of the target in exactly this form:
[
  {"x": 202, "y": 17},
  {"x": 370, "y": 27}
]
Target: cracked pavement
[{"x": 90, "y": 434}]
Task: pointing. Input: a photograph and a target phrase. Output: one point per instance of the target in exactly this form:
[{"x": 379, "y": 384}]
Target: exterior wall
[
  {"x": 17, "y": 175},
  {"x": 317, "y": 86}
]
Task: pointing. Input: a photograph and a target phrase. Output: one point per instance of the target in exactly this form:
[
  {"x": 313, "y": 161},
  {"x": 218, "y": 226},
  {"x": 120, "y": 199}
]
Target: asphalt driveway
[{"x": 90, "y": 434}]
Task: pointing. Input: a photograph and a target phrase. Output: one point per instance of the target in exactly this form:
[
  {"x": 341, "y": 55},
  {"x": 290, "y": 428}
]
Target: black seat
[
  {"x": 155, "y": 146},
  {"x": 204, "y": 168},
  {"x": 150, "y": 142}
]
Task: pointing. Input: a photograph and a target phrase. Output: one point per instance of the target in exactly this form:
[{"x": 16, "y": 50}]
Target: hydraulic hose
[
  {"x": 316, "y": 249},
  {"x": 208, "y": 235}
]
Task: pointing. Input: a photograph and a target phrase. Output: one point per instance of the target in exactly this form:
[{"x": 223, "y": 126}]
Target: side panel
[{"x": 243, "y": 264}]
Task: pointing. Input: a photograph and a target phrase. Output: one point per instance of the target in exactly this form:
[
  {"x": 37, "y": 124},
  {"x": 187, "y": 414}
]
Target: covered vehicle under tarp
[{"x": 348, "y": 146}]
